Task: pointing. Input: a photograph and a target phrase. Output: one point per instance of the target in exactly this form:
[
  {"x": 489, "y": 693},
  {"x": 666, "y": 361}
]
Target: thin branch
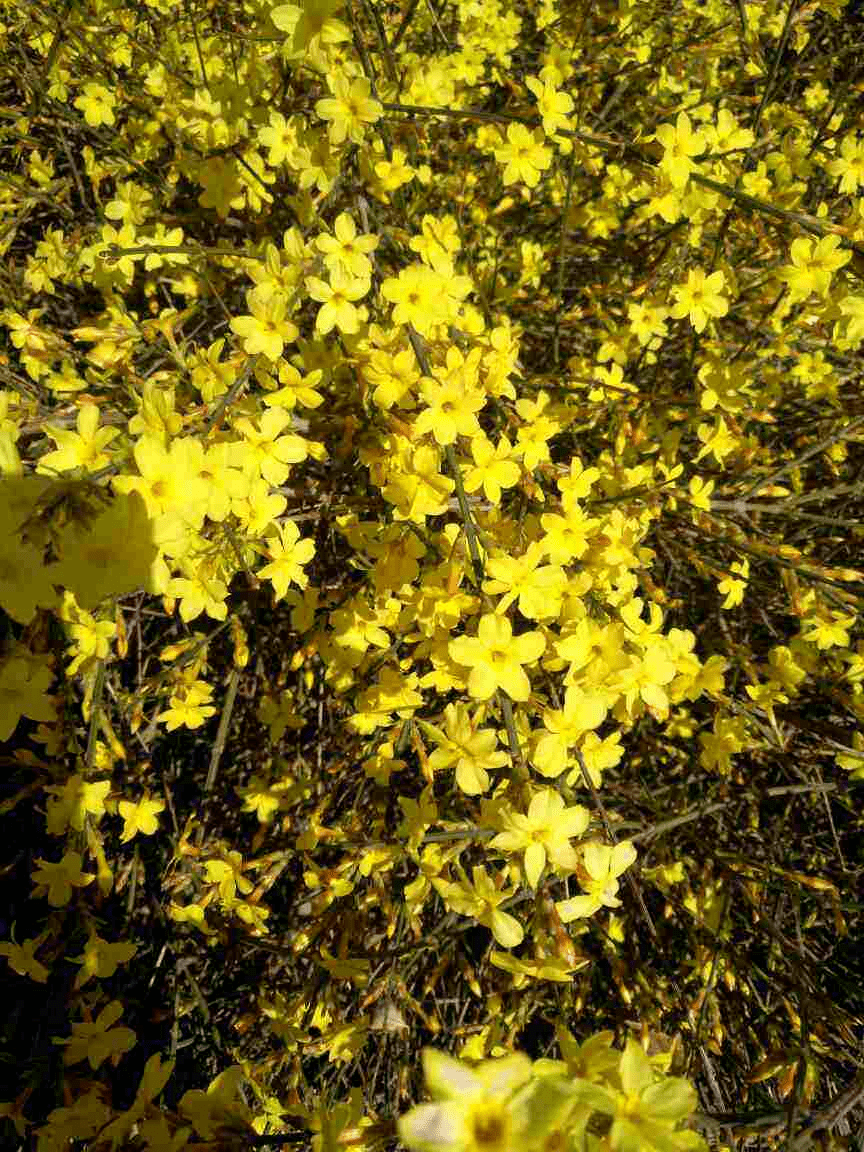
[{"x": 219, "y": 745}]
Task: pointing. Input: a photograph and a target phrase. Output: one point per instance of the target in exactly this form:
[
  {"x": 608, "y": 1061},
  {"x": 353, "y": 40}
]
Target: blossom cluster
[{"x": 357, "y": 426}]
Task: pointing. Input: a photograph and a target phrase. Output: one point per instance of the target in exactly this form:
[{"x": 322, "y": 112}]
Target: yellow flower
[
  {"x": 99, "y": 1040},
  {"x": 524, "y": 155},
  {"x": 538, "y": 428},
  {"x": 83, "y": 448},
  {"x": 647, "y": 1109},
  {"x": 719, "y": 746},
  {"x": 473, "y": 750},
  {"x": 451, "y": 409},
  {"x": 848, "y": 168},
  {"x": 288, "y": 553},
  {"x": 25, "y": 332},
  {"x": 494, "y": 1106},
  {"x": 262, "y": 798},
  {"x": 828, "y": 631},
  {"x": 718, "y": 441},
  {"x": 700, "y": 492},
  {"x": 554, "y": 106},
  {"x": 91, "y": 638},
  {"x": 190, "y": 707},
  {"x": 474, "y": 1110},
  {"x": 727, "y": 136},
  {"x": 167, "y": 480},
  {"x": 25, "y": 582},
  {"x": 582, "y": 712},
  {"x": 493, "y": 468},
  {"x": 349, "y": 109},
  {"x": 413, "y": 293},
  {"x": 337, "y": 301},
  {"x": 101, "y": 958},
  {"x": 91, "y": 566},
  {"x": 57, "y": 880},
  {"x": 392, "y": 376},
  {"x": 544, "y": 831},
  {"x": 813, "y": 265},
  {"x": 598, "y": 874},
  {"x": 140, "y": 816},
  {"x": 21, "y": 959},
  {"x": 566, "y": 538},
  {"x": 310, "y": 26},
  {"x": 264, "y": 451},
  {"x": 97, "y": 104},
  {"x": 24, "y": 684},
  {"x": 267, "y": 330},
  {"x": 647, "y": 321},
  {"x": 680, "y": 144},
  {"x": 415, "y": 484},
  {"x": 71, "y": 803},
  {"x": 346, "y": 250},
  {"x": 495, "y": 657},
  {"x": 259, "y": 507},
  {"x": 131, "y": 204},
  {"x": 438, "y": 241},
  {"x": 700, "y": 298},
  {"x": 296, "y": 389},
  {"x": 537, "y": 587},
  {"x": 170, "y": 238},
  {"x": 280, "y": 138},
  {"x": 598, "y": 755},
  {"x": 854, "y": 761},
  {"x": 482, "y": 900},
  {"x": 392, "y": 174},
  {"x": 200, "y": 588},
  {"x": 225, "y": 482},
  {"x": 228, "y": 875},
  {"x": 732, "y": 586},
  {"x": 221, "y": 1106}
]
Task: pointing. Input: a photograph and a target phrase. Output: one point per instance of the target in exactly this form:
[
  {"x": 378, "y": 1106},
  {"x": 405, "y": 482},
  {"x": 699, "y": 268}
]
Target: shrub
[{"x": 430, "y": 448}]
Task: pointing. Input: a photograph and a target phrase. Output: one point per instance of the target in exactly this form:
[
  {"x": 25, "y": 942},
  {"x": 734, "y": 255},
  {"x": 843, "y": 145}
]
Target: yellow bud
[
  {"x": 241, "y": 645},
  {"x": 122, "y": 639}
]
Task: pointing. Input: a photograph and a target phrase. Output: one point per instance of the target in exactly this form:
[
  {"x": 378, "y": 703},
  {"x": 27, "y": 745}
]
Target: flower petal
[
  {"x": 430, "y": 1127},
  {"x": 446, "y": 1077},
  {"x": 535, "y": 859},
  {"x": 506, "y": 929},
  {"x": 528, "y": 647}
]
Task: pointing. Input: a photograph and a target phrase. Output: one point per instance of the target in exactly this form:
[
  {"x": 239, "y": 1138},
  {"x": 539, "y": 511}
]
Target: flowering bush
[{"x": 430, "y": 442}]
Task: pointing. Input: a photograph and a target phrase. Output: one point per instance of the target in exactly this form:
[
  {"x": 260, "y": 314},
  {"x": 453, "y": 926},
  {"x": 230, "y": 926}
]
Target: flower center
[{"x": 488, "y": 1129}]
